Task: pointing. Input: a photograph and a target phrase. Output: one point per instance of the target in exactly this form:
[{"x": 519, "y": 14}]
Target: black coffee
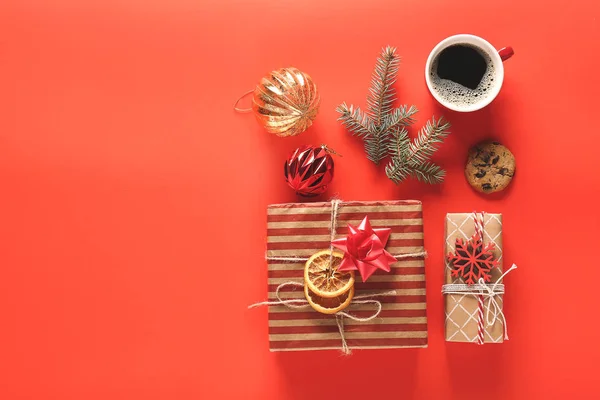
[
  {"x": 463, "y": 75},
  {"x": 462, "y": 64}
]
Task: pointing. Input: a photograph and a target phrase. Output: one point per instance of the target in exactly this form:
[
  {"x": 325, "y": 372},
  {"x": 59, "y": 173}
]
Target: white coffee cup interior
[{"x": 458, "y": 103}]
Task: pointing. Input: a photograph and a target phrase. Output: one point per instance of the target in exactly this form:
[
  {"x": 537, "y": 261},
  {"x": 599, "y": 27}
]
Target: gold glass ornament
[{"x": 285, "y": 102}]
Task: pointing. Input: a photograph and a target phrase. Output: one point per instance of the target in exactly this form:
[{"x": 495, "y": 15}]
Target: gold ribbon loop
[{"x": 242, "y": 110}]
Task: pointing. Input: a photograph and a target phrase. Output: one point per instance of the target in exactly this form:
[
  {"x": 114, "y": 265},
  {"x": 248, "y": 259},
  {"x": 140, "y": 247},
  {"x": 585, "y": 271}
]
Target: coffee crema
[{"x": 463, "y": 74}]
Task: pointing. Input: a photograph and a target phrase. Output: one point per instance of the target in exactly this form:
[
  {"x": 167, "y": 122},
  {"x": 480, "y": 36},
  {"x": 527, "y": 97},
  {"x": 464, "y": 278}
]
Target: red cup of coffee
[{"x": 465, "y": 72}]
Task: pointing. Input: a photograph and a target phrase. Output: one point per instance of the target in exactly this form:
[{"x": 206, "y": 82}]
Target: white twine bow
[
  {"x": 339, "y": 316},
  {"x": 487, "y": 290}
]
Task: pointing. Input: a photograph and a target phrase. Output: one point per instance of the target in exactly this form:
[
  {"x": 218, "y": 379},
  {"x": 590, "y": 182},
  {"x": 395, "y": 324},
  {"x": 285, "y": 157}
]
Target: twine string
[
  {"x": 335, "y": 203},
  {"x": 339, "y": 320},
  {"x": 479, "y": 220},
  {"x": 304, "y": 259},
  {"x": 339, "y": 316},
  {"x": 480, "y": 321},
  {"x": 290, "y": 303},
  {"x": 242, "y": 110},
  {"x": 490, "y": 291}
]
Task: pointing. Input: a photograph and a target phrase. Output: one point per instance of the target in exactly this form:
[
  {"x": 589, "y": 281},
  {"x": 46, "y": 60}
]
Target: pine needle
[
  {"x": 381, "y": 93},
  {"x": 401, "y": 116},
  {"x": 376, "y": 148},
  {"x": 427, "y": 172},
  {"x": 355, "y": 120},
  {"x": 400, "y": 144},
  {"x": 427, "y": 142},
  {"x": 396, "y": 172}
]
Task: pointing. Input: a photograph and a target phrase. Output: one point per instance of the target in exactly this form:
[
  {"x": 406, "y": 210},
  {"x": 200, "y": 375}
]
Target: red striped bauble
[{"x": 309, "y": 170}]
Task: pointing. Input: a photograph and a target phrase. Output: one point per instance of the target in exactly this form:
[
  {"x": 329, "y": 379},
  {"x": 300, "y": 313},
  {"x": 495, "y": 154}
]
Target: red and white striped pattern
[
  {"x": 480, "y": 321},
  {"x": 303, "y": 229},
  {"x": 478, "y": 218}
]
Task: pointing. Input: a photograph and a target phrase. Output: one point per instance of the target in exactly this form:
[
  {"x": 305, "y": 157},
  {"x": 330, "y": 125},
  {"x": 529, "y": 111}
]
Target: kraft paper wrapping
[
  {"x": 302, "y": 229},
  {"x": 461, "y": 310}
]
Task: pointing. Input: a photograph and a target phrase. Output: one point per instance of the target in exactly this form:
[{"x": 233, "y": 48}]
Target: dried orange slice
[
  {"x": 327, "y": 305},
  {"x": 323, "y": 279}
]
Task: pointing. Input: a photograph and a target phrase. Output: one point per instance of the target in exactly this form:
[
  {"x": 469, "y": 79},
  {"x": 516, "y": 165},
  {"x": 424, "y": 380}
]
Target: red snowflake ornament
[{"x": 473, "y": 260}]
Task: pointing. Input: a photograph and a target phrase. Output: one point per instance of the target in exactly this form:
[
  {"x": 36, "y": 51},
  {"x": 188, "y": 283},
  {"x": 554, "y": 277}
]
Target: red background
[{"x": 133, "y": 197}]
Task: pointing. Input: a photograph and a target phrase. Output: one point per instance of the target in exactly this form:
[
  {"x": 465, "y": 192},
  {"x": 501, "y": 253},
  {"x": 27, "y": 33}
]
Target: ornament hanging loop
[
  {"x": 242, "y": 110},
  {"x": 330, "y": 150}
]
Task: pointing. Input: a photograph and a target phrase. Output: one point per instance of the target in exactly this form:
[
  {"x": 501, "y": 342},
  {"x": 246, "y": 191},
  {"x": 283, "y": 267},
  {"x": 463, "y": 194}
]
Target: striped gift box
[{"x": 300, "y": 230}]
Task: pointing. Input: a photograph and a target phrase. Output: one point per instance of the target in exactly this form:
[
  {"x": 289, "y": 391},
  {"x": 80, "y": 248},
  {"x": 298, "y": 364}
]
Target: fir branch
[
  {"x": 396, "y": 171},
  {"x": 381, "y": 93},
  {"x": 430, "y": 136},
  {"x": 427, "y": 172},
  {"x": 355, "y": 120},
  {"x": 376, "y": 147},
  {"x": 401, "y": 116},
  {"x": 400, "y": 144},
  {"x": 398, "y": 147},
  {"x": 383, "y": 128},
  {"x": 402, "y": 165}
]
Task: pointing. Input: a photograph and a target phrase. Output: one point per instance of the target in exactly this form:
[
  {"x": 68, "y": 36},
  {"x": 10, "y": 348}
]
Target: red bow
[{"x": 364, "y": 249}]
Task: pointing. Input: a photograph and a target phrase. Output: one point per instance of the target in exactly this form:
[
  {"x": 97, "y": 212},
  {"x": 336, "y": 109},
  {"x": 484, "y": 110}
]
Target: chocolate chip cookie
[{"x": 490, "y": 167}]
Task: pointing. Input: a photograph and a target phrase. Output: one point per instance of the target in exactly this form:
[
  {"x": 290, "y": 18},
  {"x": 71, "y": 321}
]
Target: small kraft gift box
[
  {"x": 387, "y": 311},
  {"x": 473, "y": 290}
]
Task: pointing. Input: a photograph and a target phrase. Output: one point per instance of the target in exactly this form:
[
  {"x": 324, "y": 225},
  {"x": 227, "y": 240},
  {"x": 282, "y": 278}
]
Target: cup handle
[{"x": 506, "y": 53}]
